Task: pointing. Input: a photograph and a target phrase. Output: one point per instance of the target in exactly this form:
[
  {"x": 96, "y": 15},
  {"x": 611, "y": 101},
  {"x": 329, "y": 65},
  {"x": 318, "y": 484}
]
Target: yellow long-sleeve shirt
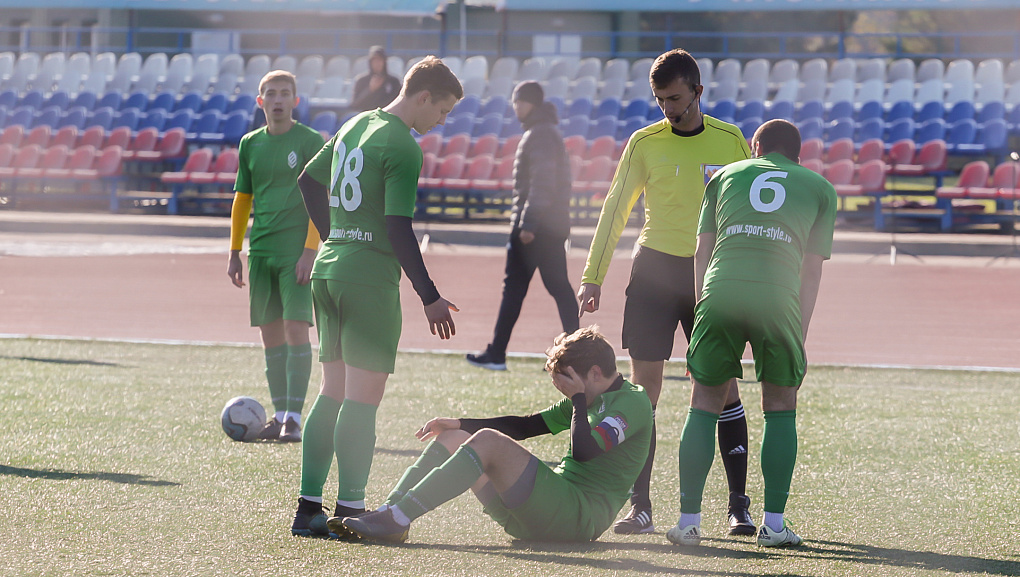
[{"x": 671, "y": 170}]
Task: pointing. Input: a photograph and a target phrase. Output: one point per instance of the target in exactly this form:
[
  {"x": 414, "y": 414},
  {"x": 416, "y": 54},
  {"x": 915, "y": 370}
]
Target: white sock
[
  {"x": 292, "y": 415},
  {"x": 351, "y": 504},
  {"x": 774, "y": 521},
  {"x": 280, "y": 416},
  {"x": 687, "y": 519},
  {"x": 399, "y": 516},
  {"x": 312, "y": 499}
]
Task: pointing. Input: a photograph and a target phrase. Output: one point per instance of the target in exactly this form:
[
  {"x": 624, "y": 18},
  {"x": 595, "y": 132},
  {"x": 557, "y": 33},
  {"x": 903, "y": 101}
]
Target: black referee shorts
[{"x": 660, "y": 296}]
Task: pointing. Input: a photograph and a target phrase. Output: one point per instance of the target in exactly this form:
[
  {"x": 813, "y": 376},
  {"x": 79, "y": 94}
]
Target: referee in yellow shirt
[{"x": 669, "y": 162}]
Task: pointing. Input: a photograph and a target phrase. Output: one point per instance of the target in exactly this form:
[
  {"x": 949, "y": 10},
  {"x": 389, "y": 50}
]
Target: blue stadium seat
[
  {"x": 580, "y": 106},
  {"x": 155, "y": 118},
  {"x": 994, "y": 136},
  {"x": 31, "y": 99},
  {"x": 961, "y": 134},
  {"x": 872, "y": 109},
  {"x": 303, "y": 110},
  {"x": 782, "y": 109},
  {"x": 655, "y": 114},
  {"x": 511, "y": 127},
  {"x": 461, "y": 124},
  {"x": 3, "y": 117},
  {"x": 630, "y": 126},
  {"x": 725, "y": 110},
  {"x": 1013, "y": 119},
  {"x": 842, "y": 127},
  {"x": 102, "y": 116},
  {"x": 49, "y": 116},
  {"x": 751, "y": 109},
  {"x": 931, "y": 129},
  {"x": 990, "y": 111},
  {"x": 22, "y": 116},
  {"x": 811, "y": 128},
  {"x": 110, "y": 100},
  {"x": 495, "y": 105},
  {"x": 842, "y": 109},
  {"x": 902, "y": 109},
  {"x": 900, "y": 129},
  {"x": 183, "y": 118},
  {"x": 75, "y": 116},
  {"x": 192, "y": 100},
  {"x": 870, "y": 128},
  {"x": 324, "y": 121},
  {"x": 207, "y": 123},
  {"x": 217, "y": 101},
  {"x": 748, "y": 126},
  {"x": 59, "y": 99},
  {"x": 604, "y": 125},
  {"x": 561, "y": 106},
  {"x": 810, "y": 109},
  {"x": 138, "y": 100},
  {"x": 491, "y": 123},
  {"x": 128, "y": 117},
  {"x": 608, "y": 107},
  {"x": 962, "y": 110},
  {"x": 235, "y": 125},
  {"x": 931, "y": 110},
  {"x": 85, "y": 99},
  {"x": 575, "y": 125},
  {"x": 245, "y": 102},
  {"x": 8, "y": 99},
  {"x": 635, "y": 108},
  {"x": 469, "y": 105}
]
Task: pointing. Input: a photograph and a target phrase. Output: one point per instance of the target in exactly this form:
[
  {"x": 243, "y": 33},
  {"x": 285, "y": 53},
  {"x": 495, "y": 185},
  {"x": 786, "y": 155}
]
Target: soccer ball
[{"x": 243, "y": 418}]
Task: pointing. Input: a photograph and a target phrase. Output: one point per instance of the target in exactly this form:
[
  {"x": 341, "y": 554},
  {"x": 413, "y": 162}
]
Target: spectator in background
[{"x": 377, "y": 87}]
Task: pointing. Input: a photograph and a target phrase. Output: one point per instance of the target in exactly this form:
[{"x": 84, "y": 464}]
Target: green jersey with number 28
[{"x": 371, "y": 169}]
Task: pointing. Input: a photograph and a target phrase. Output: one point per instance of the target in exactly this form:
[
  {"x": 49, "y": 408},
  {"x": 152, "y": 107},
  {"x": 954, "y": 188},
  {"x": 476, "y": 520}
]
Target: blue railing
[{"x": 493, "y": 43}]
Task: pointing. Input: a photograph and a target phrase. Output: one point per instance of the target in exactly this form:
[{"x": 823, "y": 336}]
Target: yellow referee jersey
[{"x": 671, "y": 170}]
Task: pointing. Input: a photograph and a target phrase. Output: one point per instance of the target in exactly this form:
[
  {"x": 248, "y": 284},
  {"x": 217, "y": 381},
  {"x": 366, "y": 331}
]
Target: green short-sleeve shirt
[
  {"x": 268, "y": 167},
  {"x": 371, "y": 167},
  {"x": 766, "y": 213}
]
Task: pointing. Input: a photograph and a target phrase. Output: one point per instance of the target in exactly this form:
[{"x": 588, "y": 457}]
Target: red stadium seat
[
  {"x": 81, "y": 158},
  {"x": 39, "y": 135},
  {"x": 431, "y": 142},
  {"x": 6, "y": 154},
  {"x": 486, "y": 144},
  {"x": 840, "y": 149},
  {"x": 901, "y": 153},
  {"x": 13, "y": 135},
  {"x": 840, "y": 172},
  {"x": 198, "y": 161},
  {"x": 52, "y": 157},
  {"x": 1003, "y": 181},
  {"x": 576, "y": 145},
  {"x": 226, "y": 162},
  {"x": 932, "y": 158},
  {"x": 601, "y": 146},
  {"x": 428, "y": 165},
  {"x": 67, "y": 136},
  {"x": 870, "y": 179},
  {"x": 478, "y": 168},
  {"x": 598, "y": 173},
  {"x": 451, "y": 167},
  {"x": 973, "y": 176},
  {"x": 814, "y": 164},
  {"x": 93, "y": 136},
  {"x": 509, "y": 147},
  {"x": 502, "y": 176},
  {"x": 108, "y": 164},
  {"x": 872, "y": 149},
  {"x": 172, "y": 145},
  {"x": 26, "y": 157},
  {"x": 812, "y": 148},
  {"x": 144, "y": 141},
  {"x": 457, "y": 144},
  {"x": 120, "y": 136}
]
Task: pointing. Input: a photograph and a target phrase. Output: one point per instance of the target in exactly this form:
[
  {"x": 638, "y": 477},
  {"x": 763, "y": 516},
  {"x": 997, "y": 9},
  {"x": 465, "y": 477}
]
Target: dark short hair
[
  {"x": 778, "y": 136},
  {"x": 582, "y": 350},
  {"x": 677, "y": 63},
  {"x": 431, "y": 74}
]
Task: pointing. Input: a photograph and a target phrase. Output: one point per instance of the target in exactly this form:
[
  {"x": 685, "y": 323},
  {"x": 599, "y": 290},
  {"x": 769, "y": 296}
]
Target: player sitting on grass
[{"x": 610, "y": 423}]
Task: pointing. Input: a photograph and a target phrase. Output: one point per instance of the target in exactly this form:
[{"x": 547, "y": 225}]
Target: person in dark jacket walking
[{"x": 540, "y": 222}]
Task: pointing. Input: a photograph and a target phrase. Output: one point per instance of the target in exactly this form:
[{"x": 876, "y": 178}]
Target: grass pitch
[{"x": 112, "y": 462}]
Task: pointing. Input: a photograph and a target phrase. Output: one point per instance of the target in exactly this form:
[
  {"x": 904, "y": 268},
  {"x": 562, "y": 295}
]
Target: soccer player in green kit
[
  {"x": 610, "y": 424},
  {"x": 360, "y": 192},
  {"x": 765, "y": 230},
  {"x": 281, "y": 248}
]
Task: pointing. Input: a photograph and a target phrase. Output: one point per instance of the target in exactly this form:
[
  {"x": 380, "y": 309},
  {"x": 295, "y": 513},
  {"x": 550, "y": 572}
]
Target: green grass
[{"x": 112, "y": 462}]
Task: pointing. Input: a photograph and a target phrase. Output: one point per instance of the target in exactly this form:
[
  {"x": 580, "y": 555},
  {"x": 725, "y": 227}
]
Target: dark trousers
[{"x": 549, "y": 257}]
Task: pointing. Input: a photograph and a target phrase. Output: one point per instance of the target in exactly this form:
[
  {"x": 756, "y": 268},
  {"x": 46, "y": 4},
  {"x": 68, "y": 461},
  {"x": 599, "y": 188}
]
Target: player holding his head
[
  {"x": 360, "y": 192},
  {"x": 765, "y": 230},
  {"x": 610, "y": 423},
  {"x": 281, "y": 248},
  {"x": 669, "y": 162}
]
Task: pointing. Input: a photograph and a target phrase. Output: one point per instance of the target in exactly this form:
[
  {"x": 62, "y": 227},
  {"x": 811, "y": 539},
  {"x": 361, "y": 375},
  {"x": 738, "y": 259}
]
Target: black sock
[
  {"x": 641, "y": 496},
  {"x": 733, "y": 446}
]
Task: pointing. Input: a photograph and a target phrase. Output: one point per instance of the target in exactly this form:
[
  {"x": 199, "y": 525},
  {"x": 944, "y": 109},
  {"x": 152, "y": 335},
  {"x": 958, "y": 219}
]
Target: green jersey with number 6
[
  {"x": 766, "y": 213},
  {"x": 371, "y": 169}
]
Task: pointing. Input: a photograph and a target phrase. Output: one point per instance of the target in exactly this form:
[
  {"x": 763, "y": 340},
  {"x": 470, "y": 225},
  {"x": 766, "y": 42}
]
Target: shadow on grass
[
  {"x": 61, "y": 361},
  {"x": 58, "y": 475},
  {"x": 919, "y": 560}
]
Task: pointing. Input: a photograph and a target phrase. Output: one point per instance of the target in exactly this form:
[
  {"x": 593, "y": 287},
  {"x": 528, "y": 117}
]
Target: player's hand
[
  {"x": 440, "y": 318},
  {"x": 303, "y": 268},
  {"x": 588, "y": 295},
  {"x": 569, "y": 383},
  {"x": 431, "y": 429},
  {"x": 234, "y": 269},
  {"x": 527, "y": 237}
]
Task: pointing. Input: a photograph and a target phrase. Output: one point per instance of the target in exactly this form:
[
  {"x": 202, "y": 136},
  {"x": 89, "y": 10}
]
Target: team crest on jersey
[
  {"x": 292, "y": 159},
  {"x": 708, "y": 170}
]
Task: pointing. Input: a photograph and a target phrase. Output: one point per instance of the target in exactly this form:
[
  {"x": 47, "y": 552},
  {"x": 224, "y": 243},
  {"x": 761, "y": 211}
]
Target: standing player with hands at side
[
  {"x": 360, "y": 192},
  {"x": 281, "y": 248},
  {"x": 766, "y": 228},
  {"x": 669, "y": 162}
]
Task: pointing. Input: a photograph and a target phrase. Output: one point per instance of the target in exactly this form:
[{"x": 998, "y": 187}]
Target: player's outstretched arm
[
  {"x": 316, "y": 197},
  {"x": 405, "y": 247},
  {"x": 240, "y": 211}
]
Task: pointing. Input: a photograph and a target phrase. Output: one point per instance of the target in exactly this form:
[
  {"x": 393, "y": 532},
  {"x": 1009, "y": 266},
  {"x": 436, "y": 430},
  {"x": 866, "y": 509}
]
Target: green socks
[
  {"x": 298, "y": 371},
  {"x": 434, "y": 455},
  {"x": 452, "y": 478},
  {"x": 317, "y": 445},
  {"x": 697, "y": 450},
  {"x": 276, "y": 373},
  {"x": 354, "y": 443},
  {"x": 778, "y": 457}
]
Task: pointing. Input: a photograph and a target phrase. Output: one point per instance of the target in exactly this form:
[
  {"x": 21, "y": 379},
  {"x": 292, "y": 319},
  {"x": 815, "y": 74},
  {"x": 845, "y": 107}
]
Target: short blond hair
[
  {"x": 583, "y": 349},
  {"x": 274, "y": 75},
  {"x": 432, "y": 74}
]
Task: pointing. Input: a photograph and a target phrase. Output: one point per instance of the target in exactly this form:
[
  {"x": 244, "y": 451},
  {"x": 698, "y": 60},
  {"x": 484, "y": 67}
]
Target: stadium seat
[
  {"x": 230, "y": 71},
  {"x": 476, "y": 66},
  {"x": 613, "y": 88},
  {"x": 961, "y": 135},
  {"x": 509, "y": 146},
  {"x": 780, "y": 110},
  {"x": 39, "y": 136},
  {"x": 602, "y": 126},
  {"x": 901, "y": 152},
  {"x": 144, "y": 141},
  {"x": 431, "y": 143},
  {"x": 930, "y": 91},
  {"x": 589, "y": 68},
  {"x": 811, "y": 128},
  {"x": 66, "y": 136},
  {"x": 76, "y": 116},
  {"x": 22, "y": 116},
  {"x": 31, "y": 99},
  {"x": 580, "y": 106},
  {"x": 58, "y": 98},
  {"x": 840, "y": 109},
  {"x": 870, "y": 129},
  {"x": 1004, "y": 180},
  {"x": 839, "y": 173},
  {"x": 635, "y": 108},
  {"x": 172, "y": 146},
  {"x": 973, "y": 175},
  {"x": 6, "y": 154},
  {"x": 485, "y": 144},
  {"x": 933, "y": 129},
  {"x": 25, "y": 69},
  {"x": 868, "y": 180},
  {"x": 811, "y": 148},
  {"x": 490, "y": 124},
  {"x": 749, "y": 126},
  {"x": 226, "y": 162},
  {"x": 532, "y": 69},
  {"x": 725, "y": 110},
  {"x": 586, "y": 87},
  {"x": 870, "y": 110},
  {"x": 452, "y": 166},
  {"x": 82, "y": 157},
  {"x": 931, "y": 69},
  {"x": 120, "y": 136},
  {"x": 901, "y": 69},
  {"x": 245, "y": 102},
  {"x": 92, "y": 136},
  {"x": 814, "y": 164},
  {"x": 47, "y": 117},
  {"x": 235, "y": 125},
  {"x": 963, "y": 110},
  {"x": 106, "y": 169},
  {"x": 477, "y": 168},
  {"x": 840, "y": 128},
  {"x": 137, "y": 100},
  {"x": 501, "y": 177},
  {"x": 199, "y": 160},
  {"x": 900, "y": 129},
  {"x": 991, "y": 111},
  {"x": 576, "y": 145},
  {"x": 127, "y": 118},
  {"x": 178, "y": 72},
  {"x": 557, "y": 87},
  {"x": 898, "y": 110},
  {"x": 25, "y": 157},
  {"x": 810, "y": 109},
  {"x": 841, "y": 149},
  {"x": 751, "y": 109},
  {"x": 930, "y": 160},
  {"x": 601, "y": 146},
  {"x": 871, "y": 149},
  {"x": 54, "y": 157},
  {"x": 163, "y": 100},
  {"x": 511, "y": 128},
  {"x": 993, "y": 137},
  {"x": 13, "y": 135},
  {"x": 504, "y": 67},
  {"x": 463, "y": 124},
  {"x": 456, "y": 144},
  {"x": 153, "y": 119},
  {"x": 607, "y": 107},
  {"x": 324, "y": 121},
  {"x": 152, "y": 73},
  {"x": 577, "y": 125},
  {"x": 208, "y": 123},
  {"x": 203, "y": 74}
]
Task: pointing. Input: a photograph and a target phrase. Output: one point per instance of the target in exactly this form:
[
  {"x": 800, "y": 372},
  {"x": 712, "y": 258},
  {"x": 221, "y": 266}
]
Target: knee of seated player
[
  {"x": 490, "y": 443},
  {"x": 778, "y": 398},
  {"x": 452, "y": 439}
]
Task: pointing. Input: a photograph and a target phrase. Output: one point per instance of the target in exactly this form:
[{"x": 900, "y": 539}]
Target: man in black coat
[
  {"x": 377, "y": 87},
  {"x": 540, "y": 222}
]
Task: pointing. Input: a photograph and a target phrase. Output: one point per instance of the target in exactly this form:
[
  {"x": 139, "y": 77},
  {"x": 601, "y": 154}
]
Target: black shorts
[{"x": 660, "y": 296}]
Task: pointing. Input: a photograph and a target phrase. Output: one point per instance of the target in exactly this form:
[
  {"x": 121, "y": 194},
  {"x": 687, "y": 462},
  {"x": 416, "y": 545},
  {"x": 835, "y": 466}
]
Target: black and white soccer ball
[{"x": 243, "y": 418}]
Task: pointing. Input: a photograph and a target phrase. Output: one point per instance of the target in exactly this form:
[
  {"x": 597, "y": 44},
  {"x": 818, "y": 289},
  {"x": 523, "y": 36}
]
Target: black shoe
[
  {"x": 638, "y": 521},
  {"x": 740, "y": 518},
  {"x": 378, "y": 526},
  {"x": 310, "y": 520},
  {"x": 487, "y": 360},
  {"x": 336, "y": 522},
  {"x": 271, "y": 431},
  {"x": 291, "y": 432}
]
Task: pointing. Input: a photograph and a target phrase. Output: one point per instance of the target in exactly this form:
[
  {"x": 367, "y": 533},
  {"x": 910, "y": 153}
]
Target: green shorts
[
  {"x": 273, "y": 291},
  {"x": 556, "y": 510},
  {"x": 358, "y": 324},
  {"x": 733, "y": 313}
]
